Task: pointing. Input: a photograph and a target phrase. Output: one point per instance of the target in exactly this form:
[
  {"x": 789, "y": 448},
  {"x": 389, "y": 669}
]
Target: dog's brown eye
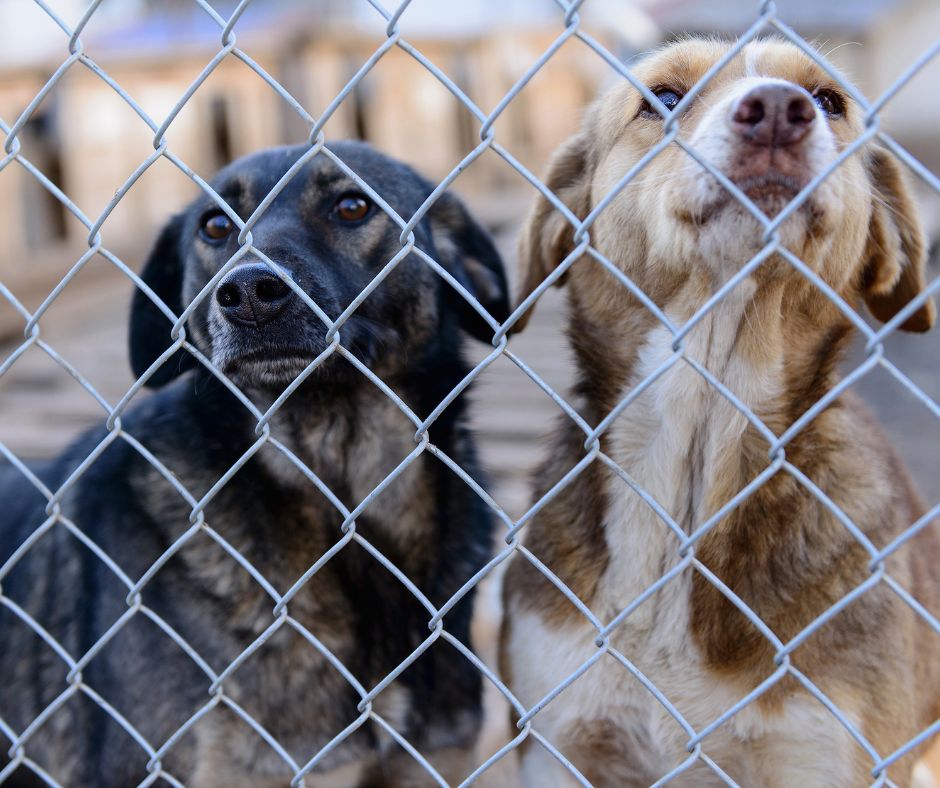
[
  {"x": 670, "y": 98},
  {"x": 216, "y": 226},
  {"x": 352, "y": 207},
  {"x": 829, "y": 102}
]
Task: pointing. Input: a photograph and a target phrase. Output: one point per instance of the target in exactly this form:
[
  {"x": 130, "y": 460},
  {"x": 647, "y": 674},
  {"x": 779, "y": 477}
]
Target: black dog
[{"x": 202, "y": 608}]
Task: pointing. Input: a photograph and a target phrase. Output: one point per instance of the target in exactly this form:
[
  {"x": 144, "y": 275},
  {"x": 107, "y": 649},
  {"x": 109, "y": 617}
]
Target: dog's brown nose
[
  {"x": 775, "y": 115},
  {"x": 252, "y": 295}
]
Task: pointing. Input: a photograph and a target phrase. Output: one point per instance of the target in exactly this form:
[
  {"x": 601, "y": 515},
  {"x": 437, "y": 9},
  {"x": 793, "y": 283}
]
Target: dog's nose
[
  {"x": 774, "y": 115},
  {"x": 251, "y": 294}
]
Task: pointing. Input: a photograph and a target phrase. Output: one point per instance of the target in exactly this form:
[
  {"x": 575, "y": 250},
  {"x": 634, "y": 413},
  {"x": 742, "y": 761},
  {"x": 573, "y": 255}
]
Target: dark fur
[{"x": 428, "y": 522}]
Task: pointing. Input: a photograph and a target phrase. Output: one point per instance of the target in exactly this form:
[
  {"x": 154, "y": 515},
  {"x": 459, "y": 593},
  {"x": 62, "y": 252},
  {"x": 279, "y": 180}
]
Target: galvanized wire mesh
[{"x": 767, "y": 20}]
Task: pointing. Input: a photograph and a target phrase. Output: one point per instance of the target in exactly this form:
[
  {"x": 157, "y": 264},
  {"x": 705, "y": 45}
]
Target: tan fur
[{"x": 775, "y": 341}]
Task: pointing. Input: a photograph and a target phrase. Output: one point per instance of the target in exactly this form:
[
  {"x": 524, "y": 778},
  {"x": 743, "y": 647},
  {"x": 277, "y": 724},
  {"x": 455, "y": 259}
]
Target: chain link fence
[{"x": 768, "y": 20}]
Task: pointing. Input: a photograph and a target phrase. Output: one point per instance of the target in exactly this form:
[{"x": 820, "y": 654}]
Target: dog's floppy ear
[
  {"x": 468, "y": 254},
  {"x": 149, "y": 327},
  {"x": 896, "y": 253},
  {"x": 548, "y": 237}
]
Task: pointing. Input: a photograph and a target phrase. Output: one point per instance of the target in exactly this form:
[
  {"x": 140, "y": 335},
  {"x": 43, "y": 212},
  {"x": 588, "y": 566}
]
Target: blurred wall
[
  {"x": 86, "y": 139},
  {"x": 893, "y": 46}
]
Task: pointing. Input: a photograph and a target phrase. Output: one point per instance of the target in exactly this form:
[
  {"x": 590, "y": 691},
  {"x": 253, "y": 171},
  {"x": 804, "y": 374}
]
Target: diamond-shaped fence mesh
[{"x": 78, "y": 704}]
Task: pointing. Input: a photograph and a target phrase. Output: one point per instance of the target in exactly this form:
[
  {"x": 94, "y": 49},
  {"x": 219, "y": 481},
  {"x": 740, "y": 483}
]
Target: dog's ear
[
  {"x": 468, "y": 254},
  {"x": 896, "y": 255},
  {"x": 149, "y": 327},
  {"x": 547, "y": 236}
]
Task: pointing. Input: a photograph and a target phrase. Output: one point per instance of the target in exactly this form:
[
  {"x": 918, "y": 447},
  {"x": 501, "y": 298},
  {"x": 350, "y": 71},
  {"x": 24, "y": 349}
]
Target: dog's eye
[
  {"x": 670, "y": 98},
  {"x": 352, "y": 207},
  {"x": 829, "y": 102},
  {"x": 216, "y": 226}
]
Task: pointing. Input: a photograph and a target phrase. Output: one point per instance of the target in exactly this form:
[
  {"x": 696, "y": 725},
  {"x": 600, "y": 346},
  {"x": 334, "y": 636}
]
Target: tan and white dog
[{"x": 771, "y": 120}]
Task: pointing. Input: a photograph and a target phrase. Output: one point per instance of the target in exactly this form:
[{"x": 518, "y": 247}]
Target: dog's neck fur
[
  {"x": 776, "y": 367},
  {"x": 689, "y": 431},
  {"x": 353, "y": 436},
  {"x": 344, "y": 440},
  {"x": 684, "y": 442},
  {"x": 351, "y": 444}
]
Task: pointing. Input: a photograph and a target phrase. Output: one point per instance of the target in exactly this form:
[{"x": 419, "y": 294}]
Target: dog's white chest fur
[{"x": 671, "y": 440}]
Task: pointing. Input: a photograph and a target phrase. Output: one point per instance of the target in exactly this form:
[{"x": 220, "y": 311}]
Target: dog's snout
[
  {"x": 774, "y": 115},
  {"x": 252, "y": 295}
]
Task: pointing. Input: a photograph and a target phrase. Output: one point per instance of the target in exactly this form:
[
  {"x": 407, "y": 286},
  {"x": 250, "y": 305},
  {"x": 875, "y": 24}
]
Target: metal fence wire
[{"x": 767, "y": 21}]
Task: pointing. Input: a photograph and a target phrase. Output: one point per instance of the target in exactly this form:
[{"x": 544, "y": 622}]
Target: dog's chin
[
  {"x": 771, "y": 193},
  {"x": 274, "y": 362},
  {"x": 723, "y": 229},
  {"x": 267, "y": 368}
]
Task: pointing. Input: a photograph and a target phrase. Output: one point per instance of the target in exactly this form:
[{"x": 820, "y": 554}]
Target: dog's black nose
[
  {"x": 774, "y": 115},
  {"x": 251, "y": 294}
]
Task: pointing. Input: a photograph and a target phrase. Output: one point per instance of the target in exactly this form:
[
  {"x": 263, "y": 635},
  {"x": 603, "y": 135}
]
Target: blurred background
[{"x": 86, "y": 140}]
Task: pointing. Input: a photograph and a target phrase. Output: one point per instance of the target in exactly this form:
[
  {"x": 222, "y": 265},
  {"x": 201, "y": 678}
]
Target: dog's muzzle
[
  {"x": 775, "y": 116},
  {"x": 251, "y": 295}
]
